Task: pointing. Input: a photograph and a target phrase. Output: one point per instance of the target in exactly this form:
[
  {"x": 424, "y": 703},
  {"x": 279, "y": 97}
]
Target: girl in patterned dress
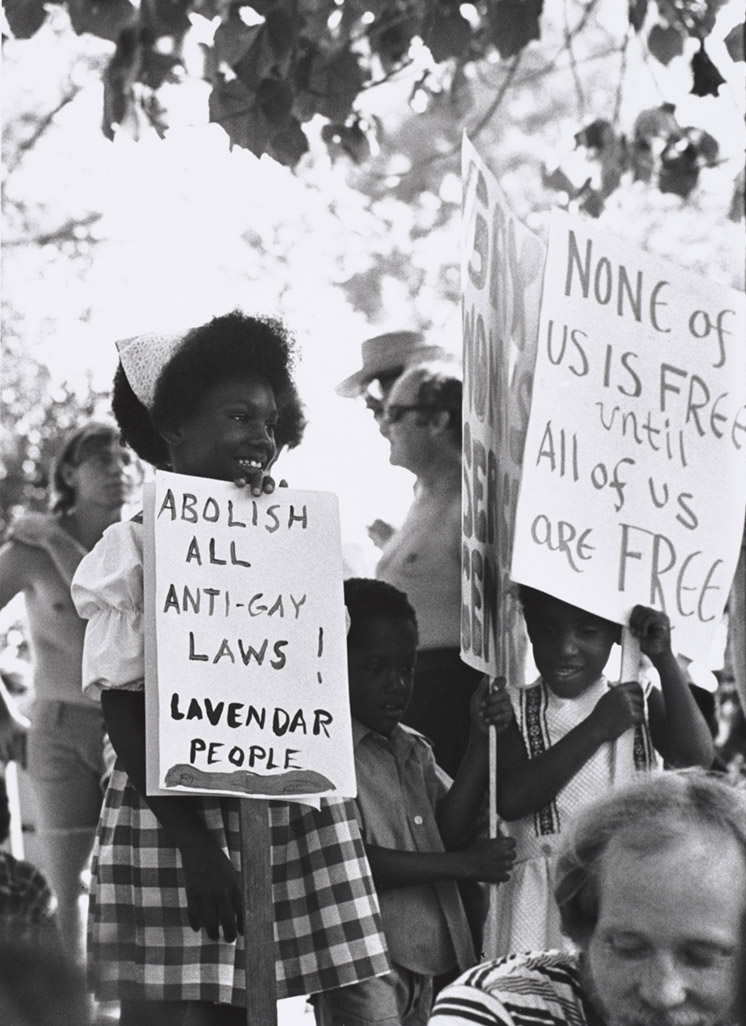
[
  {"x": 165, "y": 929},
  {"x": 573, "y": 737}
]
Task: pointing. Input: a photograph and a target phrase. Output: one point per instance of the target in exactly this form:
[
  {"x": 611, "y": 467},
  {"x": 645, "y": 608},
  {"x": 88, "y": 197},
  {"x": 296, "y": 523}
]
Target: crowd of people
[{"x": 619, "y": 868}]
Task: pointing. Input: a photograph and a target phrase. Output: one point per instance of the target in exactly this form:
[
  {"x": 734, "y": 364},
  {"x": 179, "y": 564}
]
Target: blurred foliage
[
  {"x": 37, "y": 413},
  {"x": 281, "y": 70},
  {"x": 364, "y": 232}
]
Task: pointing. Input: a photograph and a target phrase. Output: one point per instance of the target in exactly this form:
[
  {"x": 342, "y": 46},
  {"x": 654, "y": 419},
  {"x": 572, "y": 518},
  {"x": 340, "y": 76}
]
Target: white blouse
[{"x": 107, "y": 591}]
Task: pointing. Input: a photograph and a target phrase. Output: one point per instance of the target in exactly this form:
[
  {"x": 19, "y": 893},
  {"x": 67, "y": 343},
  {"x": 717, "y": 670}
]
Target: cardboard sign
[
  {"x": 633, "y": 485},
  {"x": 246, "y": 690},
  {"x": 502, "y": 264}
]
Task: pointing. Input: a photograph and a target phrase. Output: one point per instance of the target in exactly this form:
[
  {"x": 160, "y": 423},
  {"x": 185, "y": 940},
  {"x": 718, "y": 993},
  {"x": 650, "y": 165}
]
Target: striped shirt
[{"x": 520, "y": 990}]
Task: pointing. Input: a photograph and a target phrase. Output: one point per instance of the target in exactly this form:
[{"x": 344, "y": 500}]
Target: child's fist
[
  {"x": 490, "y": 860},
  {"x": 619, "y": 709},
  {"x": 491, "y": 706},
  {"x": 653, "y": 630}
]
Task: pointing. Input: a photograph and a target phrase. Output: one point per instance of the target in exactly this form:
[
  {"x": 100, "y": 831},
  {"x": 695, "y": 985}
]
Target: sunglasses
[{"x": 393, "y": 413}]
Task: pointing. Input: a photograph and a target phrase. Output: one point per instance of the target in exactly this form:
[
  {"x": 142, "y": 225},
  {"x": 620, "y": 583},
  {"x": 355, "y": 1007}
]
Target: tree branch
[
  {"x": 65, "y": 233},
  {"x": 28, "y": 144},
  {"x": 622, "y": 76},
  {"x": 573, "y": 61},
  {"x": 488, "y": 114}
]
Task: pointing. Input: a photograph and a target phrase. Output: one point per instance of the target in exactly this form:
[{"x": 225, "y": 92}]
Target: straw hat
[{"x": 385, "y": 354}]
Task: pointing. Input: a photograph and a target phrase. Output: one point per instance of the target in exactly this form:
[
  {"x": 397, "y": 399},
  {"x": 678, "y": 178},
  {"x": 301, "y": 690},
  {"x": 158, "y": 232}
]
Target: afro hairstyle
[{"x": 228, "y": 346}]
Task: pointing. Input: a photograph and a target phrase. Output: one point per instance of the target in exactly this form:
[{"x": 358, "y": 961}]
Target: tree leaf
[
  {"x": 656, "y": 123},
  {"x": 514, "y": 24},
  {"x": 595, "y": 136},
  {"x": 167, "y": 17},
  {"x": 120, "y": 75},
  {"x": 313, "y": 19},
  {"x": 234, "y": 106},
  {"x": 734, "y": 43},
  {"x": 704, "y": 146},
  {"x": 233, "y": 39},
  {"x": 289, "y": 144},
  {"x": 705, "y": 16},
  {"x": 736, "y": 211},
  {"x": 642, "y": 160},
  {"x": 637, "y": 10},
  {"x": 258, "y": 62},
  {"x": 591, "y": 201},
  {"x": 448, "y": 34},
  {"x": 665, "y": 43},
  {"x": 280, "y": 27},
  {"x": 275, "y": 98},
  {"x": 707, "y": 78},
  {"x": 335, "y": 81},
  {"x": 105, "y": 20},
  {"x": 678, "y": 178},
  {"x": 679, "y": 171},
  {"x": 25, "y": 17},
  {"x": 348, "y": 139},
  {"x": 557, "y": 179},
  {"x": 158, "y": 68},
  {"x": 391, "y": 36}
]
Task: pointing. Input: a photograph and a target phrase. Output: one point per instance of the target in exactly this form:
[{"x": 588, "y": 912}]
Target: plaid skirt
[{"x": 327, "y": 928}]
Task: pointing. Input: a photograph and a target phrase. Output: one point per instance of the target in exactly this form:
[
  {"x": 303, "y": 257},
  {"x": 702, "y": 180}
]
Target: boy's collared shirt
[{"x": 399, "y": 785}]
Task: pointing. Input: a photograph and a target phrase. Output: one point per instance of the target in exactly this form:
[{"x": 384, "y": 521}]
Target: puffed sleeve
[{"x": 108, "y": 592}]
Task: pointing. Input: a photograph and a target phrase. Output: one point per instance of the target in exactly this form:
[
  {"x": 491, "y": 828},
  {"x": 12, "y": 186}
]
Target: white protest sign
[
  {"x": 502, "y": 263},
  {"x": 633, "y": 485},
  {"x": 245, "y": 606}
]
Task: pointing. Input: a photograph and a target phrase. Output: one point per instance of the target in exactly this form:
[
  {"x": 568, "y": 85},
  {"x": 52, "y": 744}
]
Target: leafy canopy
[{"x": 276, "y": 68}]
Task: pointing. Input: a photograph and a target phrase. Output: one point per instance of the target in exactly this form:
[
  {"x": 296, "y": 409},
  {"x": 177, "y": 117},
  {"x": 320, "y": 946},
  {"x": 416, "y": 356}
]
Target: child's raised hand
[
  {"x": 213, "y": 890},
  {"x": 490, "y": 707},
  {"x": 490, "y": 859},
  {"x": 653, "y": 630},
  {"x": 622, "y": 707}
]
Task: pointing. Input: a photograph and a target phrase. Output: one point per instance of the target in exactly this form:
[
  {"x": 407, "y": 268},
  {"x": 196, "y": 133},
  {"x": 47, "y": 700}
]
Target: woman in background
[{"x": 89, "y": 481}]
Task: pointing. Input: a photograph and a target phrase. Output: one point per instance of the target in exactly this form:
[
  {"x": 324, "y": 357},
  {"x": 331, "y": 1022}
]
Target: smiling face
[
  {"x": 381, "y": 653},
  {"x": 570, "y": 646},
  {"x": 229, "y": 433},
  {"x": 665, "y": 948}
]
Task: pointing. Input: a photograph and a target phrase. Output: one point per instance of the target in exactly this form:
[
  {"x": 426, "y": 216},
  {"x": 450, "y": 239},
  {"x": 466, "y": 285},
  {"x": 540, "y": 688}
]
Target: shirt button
[
  {"x": 546, "y": 849},
  {"x": 419, "y": 820}
]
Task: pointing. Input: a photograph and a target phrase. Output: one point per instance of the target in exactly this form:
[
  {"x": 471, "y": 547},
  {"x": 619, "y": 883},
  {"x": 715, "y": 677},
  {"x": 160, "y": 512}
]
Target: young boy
[{"x": 413, "y": 821}]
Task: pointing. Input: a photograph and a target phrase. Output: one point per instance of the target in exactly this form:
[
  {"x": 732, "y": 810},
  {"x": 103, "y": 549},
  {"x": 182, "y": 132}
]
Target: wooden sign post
[
  {"x": 246, "y": 670},
  {"x": 606, "y": 494},
  {"x": 502, "y": 263},
  {"x": 258, "y": 915}
]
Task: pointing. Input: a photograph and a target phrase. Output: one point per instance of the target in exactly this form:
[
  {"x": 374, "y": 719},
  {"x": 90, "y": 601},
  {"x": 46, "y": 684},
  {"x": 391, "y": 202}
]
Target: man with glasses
[
  {"x": 422, "y": 422},
  {"x": 385, "y": 357}
]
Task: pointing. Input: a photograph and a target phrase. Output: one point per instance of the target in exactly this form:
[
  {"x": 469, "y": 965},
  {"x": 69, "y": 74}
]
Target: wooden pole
[
  {"x": 490, "y": 931},
  {"x": 621, "y": 750},
  {"x": 630, "y": 656},
  {"x": 258, "y": 913}
]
